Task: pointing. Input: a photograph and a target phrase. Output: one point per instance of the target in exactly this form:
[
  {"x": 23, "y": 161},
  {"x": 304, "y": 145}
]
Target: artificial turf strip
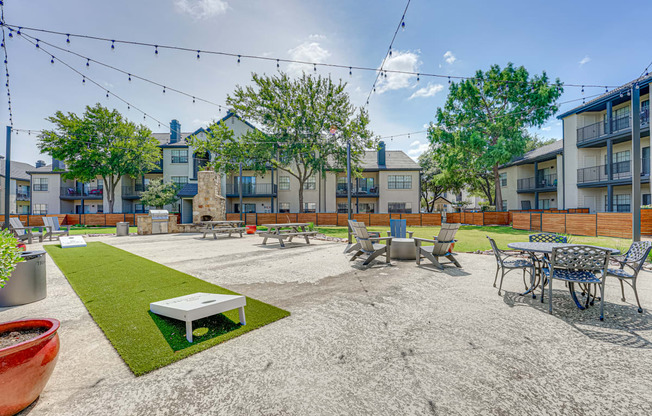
[{"x": 117, "y": 287}]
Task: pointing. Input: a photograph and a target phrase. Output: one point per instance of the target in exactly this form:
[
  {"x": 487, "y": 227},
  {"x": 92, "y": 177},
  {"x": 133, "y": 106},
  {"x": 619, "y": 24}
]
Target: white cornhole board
[
  {"x": 189, "y": 308},
  {"x": 72, "y": 241}
]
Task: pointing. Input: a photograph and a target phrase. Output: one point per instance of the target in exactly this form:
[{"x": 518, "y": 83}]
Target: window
[
  {"x": 180, "y": 156},
  {"x": 248, "y": 208},
  {"x": 503, "y": 179},
  {"x": 621, "y": 162},
  {"x": 310, "y": 183},
  {"x": 179, "y": 181},
  {"x": 399, "y": 182},
  {"x": 620, "y": 203},
  {"x": 620, "y": 118},
  {"x": 399, "y": 207},
  {"x": 645, "y": 111},
  {"x": 341, "y": 208},
  {"x": 100, "y": 209},
  {"x": 284, "y": 183},
  {"x": 40, "y": 184},
  {"x": 310, "y": 207},
  {"x": 139, "y": 208},
  {"x": 645, "y": 163},
  {"x": 40, "y": 209},
  {"x": 647, "y": 199},
  {"x": 504, "y": 205},
  {"x": 283, "y": 207},
  {"x": 544, "y": 204},
  {"x": 365, "y": 208},
  {"x": 341, "y": 185}
]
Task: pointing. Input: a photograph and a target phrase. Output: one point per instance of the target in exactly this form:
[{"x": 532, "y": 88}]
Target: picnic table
[
  {"x": 222, "y": 227},
  {"x": 287, "y": 230}
]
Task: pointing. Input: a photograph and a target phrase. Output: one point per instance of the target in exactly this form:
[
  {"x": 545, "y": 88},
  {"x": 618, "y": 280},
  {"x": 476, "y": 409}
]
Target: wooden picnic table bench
[
  {"x": 286, "y": 230},
  {"x": 222, "y": 227}
]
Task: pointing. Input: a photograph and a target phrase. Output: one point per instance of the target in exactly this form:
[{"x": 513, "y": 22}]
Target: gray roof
[
  {"x": 394, "y": 160},
  {"x": 546, "y": 152},
  {"x": 188, "y": 191},
  {"x": 18, "y": 169},
  {"x": 44, "y": 169},
  {"x": 164, "y": 139}
]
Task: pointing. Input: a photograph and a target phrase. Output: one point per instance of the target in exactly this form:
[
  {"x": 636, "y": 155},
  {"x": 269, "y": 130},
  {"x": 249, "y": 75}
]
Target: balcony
[
  {"x": 79, "y": 193},
  {"x": 133, "y": 192},
  {"x": 542, "y": 183},
  {"x": 251, "y": 190},
  {"x": 621, "y": 171},
  {"x": 618, "y": 125},
  {"x": 22, "y": 196},
  {"x": 361, "y": 187}
]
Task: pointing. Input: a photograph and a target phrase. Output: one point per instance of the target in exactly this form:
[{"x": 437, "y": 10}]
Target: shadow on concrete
[{"x": 174, "y": 331}]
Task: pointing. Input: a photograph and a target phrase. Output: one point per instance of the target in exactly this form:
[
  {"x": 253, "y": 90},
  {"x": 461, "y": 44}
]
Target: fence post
[
  {"x": 596, "y": 224},
  {"x": 530, "y": 227}
]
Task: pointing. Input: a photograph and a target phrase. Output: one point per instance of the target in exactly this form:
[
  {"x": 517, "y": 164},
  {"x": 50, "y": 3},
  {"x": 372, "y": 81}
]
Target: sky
[{"x": 576, "y": 42}]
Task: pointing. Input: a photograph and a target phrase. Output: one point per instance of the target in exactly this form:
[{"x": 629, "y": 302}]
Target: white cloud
[
  {"x": 415, "y": 143},
  {"x": 415, "y": 152},
  {"x": 449, "y": 57},
  {"x": 547, "y": 128},
  {"x": 316, "y": 36},
  {"x": 399, "y": 61},
  {"x": 427, "y": 91},
  {"x": 307, "y": 51},
  {"x": 585, "y": 60},
  {"x": 201, "y": 9}
]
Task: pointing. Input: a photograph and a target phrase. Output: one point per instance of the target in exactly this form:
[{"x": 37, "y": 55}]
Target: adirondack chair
[
  {"x": 355, "y": 247},
  {"x": 23, "y": 233},
  {"x": 52, "y": 228},
  {"x": 440, "y": 248},
  {"x": 367, "y": 244},
  {"x": 398, "y": 229}
]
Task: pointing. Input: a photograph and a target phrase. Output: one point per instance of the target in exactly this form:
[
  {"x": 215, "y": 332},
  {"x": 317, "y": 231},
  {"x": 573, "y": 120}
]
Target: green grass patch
[
  {"x": 97, "y": 230},
  {"x": 472, "y": 238},
  {"x": 117, "y": 287}
]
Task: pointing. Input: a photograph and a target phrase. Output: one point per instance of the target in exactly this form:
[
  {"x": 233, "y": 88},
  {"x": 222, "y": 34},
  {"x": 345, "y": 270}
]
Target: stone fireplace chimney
[{"x": 208, "y": 202}]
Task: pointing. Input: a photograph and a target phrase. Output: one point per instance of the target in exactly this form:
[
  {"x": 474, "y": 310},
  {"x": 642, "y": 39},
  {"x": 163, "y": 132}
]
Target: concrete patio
[{"x": 397, "y": 339}]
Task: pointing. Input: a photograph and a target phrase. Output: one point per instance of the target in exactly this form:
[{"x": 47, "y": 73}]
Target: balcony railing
[
  {"x": 542, "y": 182},
  {"x": 133, "y": 191},
  {"x": 251, "y": 189},
  {"x": 595, "y": 130},
  {"x": 359, "y": 187},
  {"x": 22, "y": 196},
  {"x": 91, "y": 193},
  {"x": 620, "y": 170}
]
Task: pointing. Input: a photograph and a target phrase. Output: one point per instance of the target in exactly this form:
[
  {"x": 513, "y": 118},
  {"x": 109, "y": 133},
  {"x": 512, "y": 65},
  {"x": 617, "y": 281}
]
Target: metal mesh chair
[
  {"x": 505, "y": 266},
  {"x": 633, "y": 260},
  {"x": 367, "y": 245},
  {"x": 547, "y": 238},
  {"x": 577, "y": 264}
]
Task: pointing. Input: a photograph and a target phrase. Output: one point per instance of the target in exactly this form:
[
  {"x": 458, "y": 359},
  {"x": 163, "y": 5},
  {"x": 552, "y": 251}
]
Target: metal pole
[
  {"x": 7, "y": 176},
  {"x": 240, "y": 190},
  {"x": 636, "y": 163},
  {"x": 348, "y": 185}
]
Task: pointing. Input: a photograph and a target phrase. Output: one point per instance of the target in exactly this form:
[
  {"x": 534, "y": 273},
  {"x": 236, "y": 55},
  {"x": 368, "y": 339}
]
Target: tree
[
  {"x": 484, "y": 120},
  {"x": 304, "y": 125},
  {"x": 159, "y": 194},
  {"x": 434, "y": 182},
  {"x": 535, "y": 142},
  {"x": 101, "y": 143}
]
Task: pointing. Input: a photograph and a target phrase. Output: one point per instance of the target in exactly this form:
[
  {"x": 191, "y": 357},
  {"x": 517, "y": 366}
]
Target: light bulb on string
[
  {"x": 164, "y": 89},
  {"x": 88, "y": 62},
  {"x": 112, "y": 45},
  {"x": 606, "y": 89},
  {"x": 11, "y": 33},
  {"x": 403, "y": 25},
  {"x": 198, "y": 54},
  {"x": 637, "y": 85},
  {"x": 278, "y": 64},
  {"x": 390, "y": 51},
  {"x": 129, "y": 77},
  {"x": 621, "y": 94},
  {"x": 314, "y": 66},
  {"x": 18, "y": 31},
  {"x": 68, "y": 38},
  {"x": 193, "y": 100},
  {"x": 449, "y": 81},
  {"x": 238, "y": 59},
  {"x": 418, "y": 78},
  {"x": 128, "y": 107},
  {"x": 629, "y": 93},
  {"x": 582, "y": 89},
  {"x": 144, "y": 116},
  {"x": 51, "y": 60},
  {"x": 156, "y": 50},
  {"x": 350, "y": 71},
  {"x": 37, "y": 45},
  {"x": 107, "y": 94}
]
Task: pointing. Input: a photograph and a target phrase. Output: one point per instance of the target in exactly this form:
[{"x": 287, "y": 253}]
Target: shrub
[{"x": 9, "y": 256}]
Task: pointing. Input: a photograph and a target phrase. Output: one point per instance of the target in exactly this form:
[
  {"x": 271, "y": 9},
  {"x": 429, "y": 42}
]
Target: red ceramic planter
[{"x": 25, "y": 368}]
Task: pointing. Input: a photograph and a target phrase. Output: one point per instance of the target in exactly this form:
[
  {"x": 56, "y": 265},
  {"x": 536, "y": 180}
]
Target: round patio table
[{"x": 546, "y": 248}]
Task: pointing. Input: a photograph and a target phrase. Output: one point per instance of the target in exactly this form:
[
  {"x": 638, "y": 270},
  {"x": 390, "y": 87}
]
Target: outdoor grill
[{"x": 159, "y": 220}]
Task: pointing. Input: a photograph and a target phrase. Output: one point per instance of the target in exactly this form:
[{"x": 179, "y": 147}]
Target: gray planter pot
[{"x": 27, "y": 283}]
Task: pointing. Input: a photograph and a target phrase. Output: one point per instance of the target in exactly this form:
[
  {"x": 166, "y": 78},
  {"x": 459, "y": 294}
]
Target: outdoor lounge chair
[
  {"x": 52, "y": 228},
  {"x": 633, "y": 260},
  {"x": 368, "y": 245},
  {"x": 577, "y": 264},
  {"x": 355, "y": 247},
  {"x": 441, "y": 246},
  {"x": 398, "y": 229},
  {"x": 23, "y": 233},
  {"x": 505, "y": 266}
]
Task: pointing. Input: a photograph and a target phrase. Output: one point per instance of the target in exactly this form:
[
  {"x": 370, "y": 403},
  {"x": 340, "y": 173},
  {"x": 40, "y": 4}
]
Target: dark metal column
[
  {"x": 636, "y": 163},
  {"x": 7, "y": 176},
  {"x": 610, "y": 198},
  {"x": 607, "y": 128},
  {"x": 272, "y": 190},
  {"x": 610, "y": 175},
  {"x": 240, "y": 191},
  {"x": 348, "y": 186},
  {"x": 536, "y": 185},
  {"x": 536, "y": 200}
]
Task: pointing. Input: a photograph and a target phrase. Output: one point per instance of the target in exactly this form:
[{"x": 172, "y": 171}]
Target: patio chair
[
  {"x": 440, "y": 248},
  {"x": 633, "y": 260},
  {"x": 368, "y": 245},
  {"x": 547, "y": 238},
  {"x": 23, "y": 233},
  {"x": 52, "y": 228},
  {"x": 577, "y": 264},
  {"x": 398, "y": 229},
  {"x": 505, "y": 266},
  {"x": 355, "y": 247}
]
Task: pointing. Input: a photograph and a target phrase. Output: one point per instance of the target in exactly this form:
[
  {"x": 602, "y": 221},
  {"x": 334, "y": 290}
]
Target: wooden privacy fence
[
  {"x": 103, "y": 220},
  {"x": 607, "y": 224},
  {"x": 479, "y": 218},
  {"x": 333, "y": 219}
]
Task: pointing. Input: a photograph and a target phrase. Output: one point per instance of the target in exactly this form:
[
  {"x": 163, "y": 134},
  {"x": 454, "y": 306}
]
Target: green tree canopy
[
  {"x": 100, "y": 143},
  {"x": 435, "y": 182},
  {"x": 304, "y": 125},
  {"x": 484, "y": 120},
  {"x": 159, "y": 194}
]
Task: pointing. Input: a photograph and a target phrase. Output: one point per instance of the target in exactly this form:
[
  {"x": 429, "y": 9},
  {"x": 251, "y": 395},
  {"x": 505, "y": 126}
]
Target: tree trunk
[
  {"x": 499, "y": 196},
  {"x": 109, "y": 193},
  {"x": 301, "y": 196}
]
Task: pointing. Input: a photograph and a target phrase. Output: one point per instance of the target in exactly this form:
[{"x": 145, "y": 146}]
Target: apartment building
[
  {"x": 19, "y": 188},
  {"x": 592, "y": 166},
  {"x": 534, "y": 181},
  {"x": 389, "y": 182}
]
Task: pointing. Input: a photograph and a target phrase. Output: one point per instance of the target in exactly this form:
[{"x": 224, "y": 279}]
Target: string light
[
  {"x": 238, "y": 59},
  {"x": 88, "y": 62},
  {"x": 350, "y": 71},
  {"x": 449, "y": 81},
  {"x": 112, "y": 45},
  {"x": 278, "y": 64},
  {"x": 129, "y": 77},
  {"x": 314, "y": 67},
  {"x": 418, "y": 78},
  {"x": 68, "y": 38},
  {"x": 163, "y": 89},
  {"x": 52, "y": 60},
  {"x": 6, "y": 63},
  {"x": 83, "y": 80},
  {"x": 156, "y": 50},
  {"x": 198, "y": 54}
]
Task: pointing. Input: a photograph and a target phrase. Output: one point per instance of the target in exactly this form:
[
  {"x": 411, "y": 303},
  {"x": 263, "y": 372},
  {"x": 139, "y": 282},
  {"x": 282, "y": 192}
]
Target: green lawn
[
  {"x": 117, "y": 287},
  {"x": 472, "y": 238},
  {"x": 97, "y": 230}
]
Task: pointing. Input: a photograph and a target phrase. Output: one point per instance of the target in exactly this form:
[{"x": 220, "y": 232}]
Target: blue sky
[{"x": 579, "y": 42}]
